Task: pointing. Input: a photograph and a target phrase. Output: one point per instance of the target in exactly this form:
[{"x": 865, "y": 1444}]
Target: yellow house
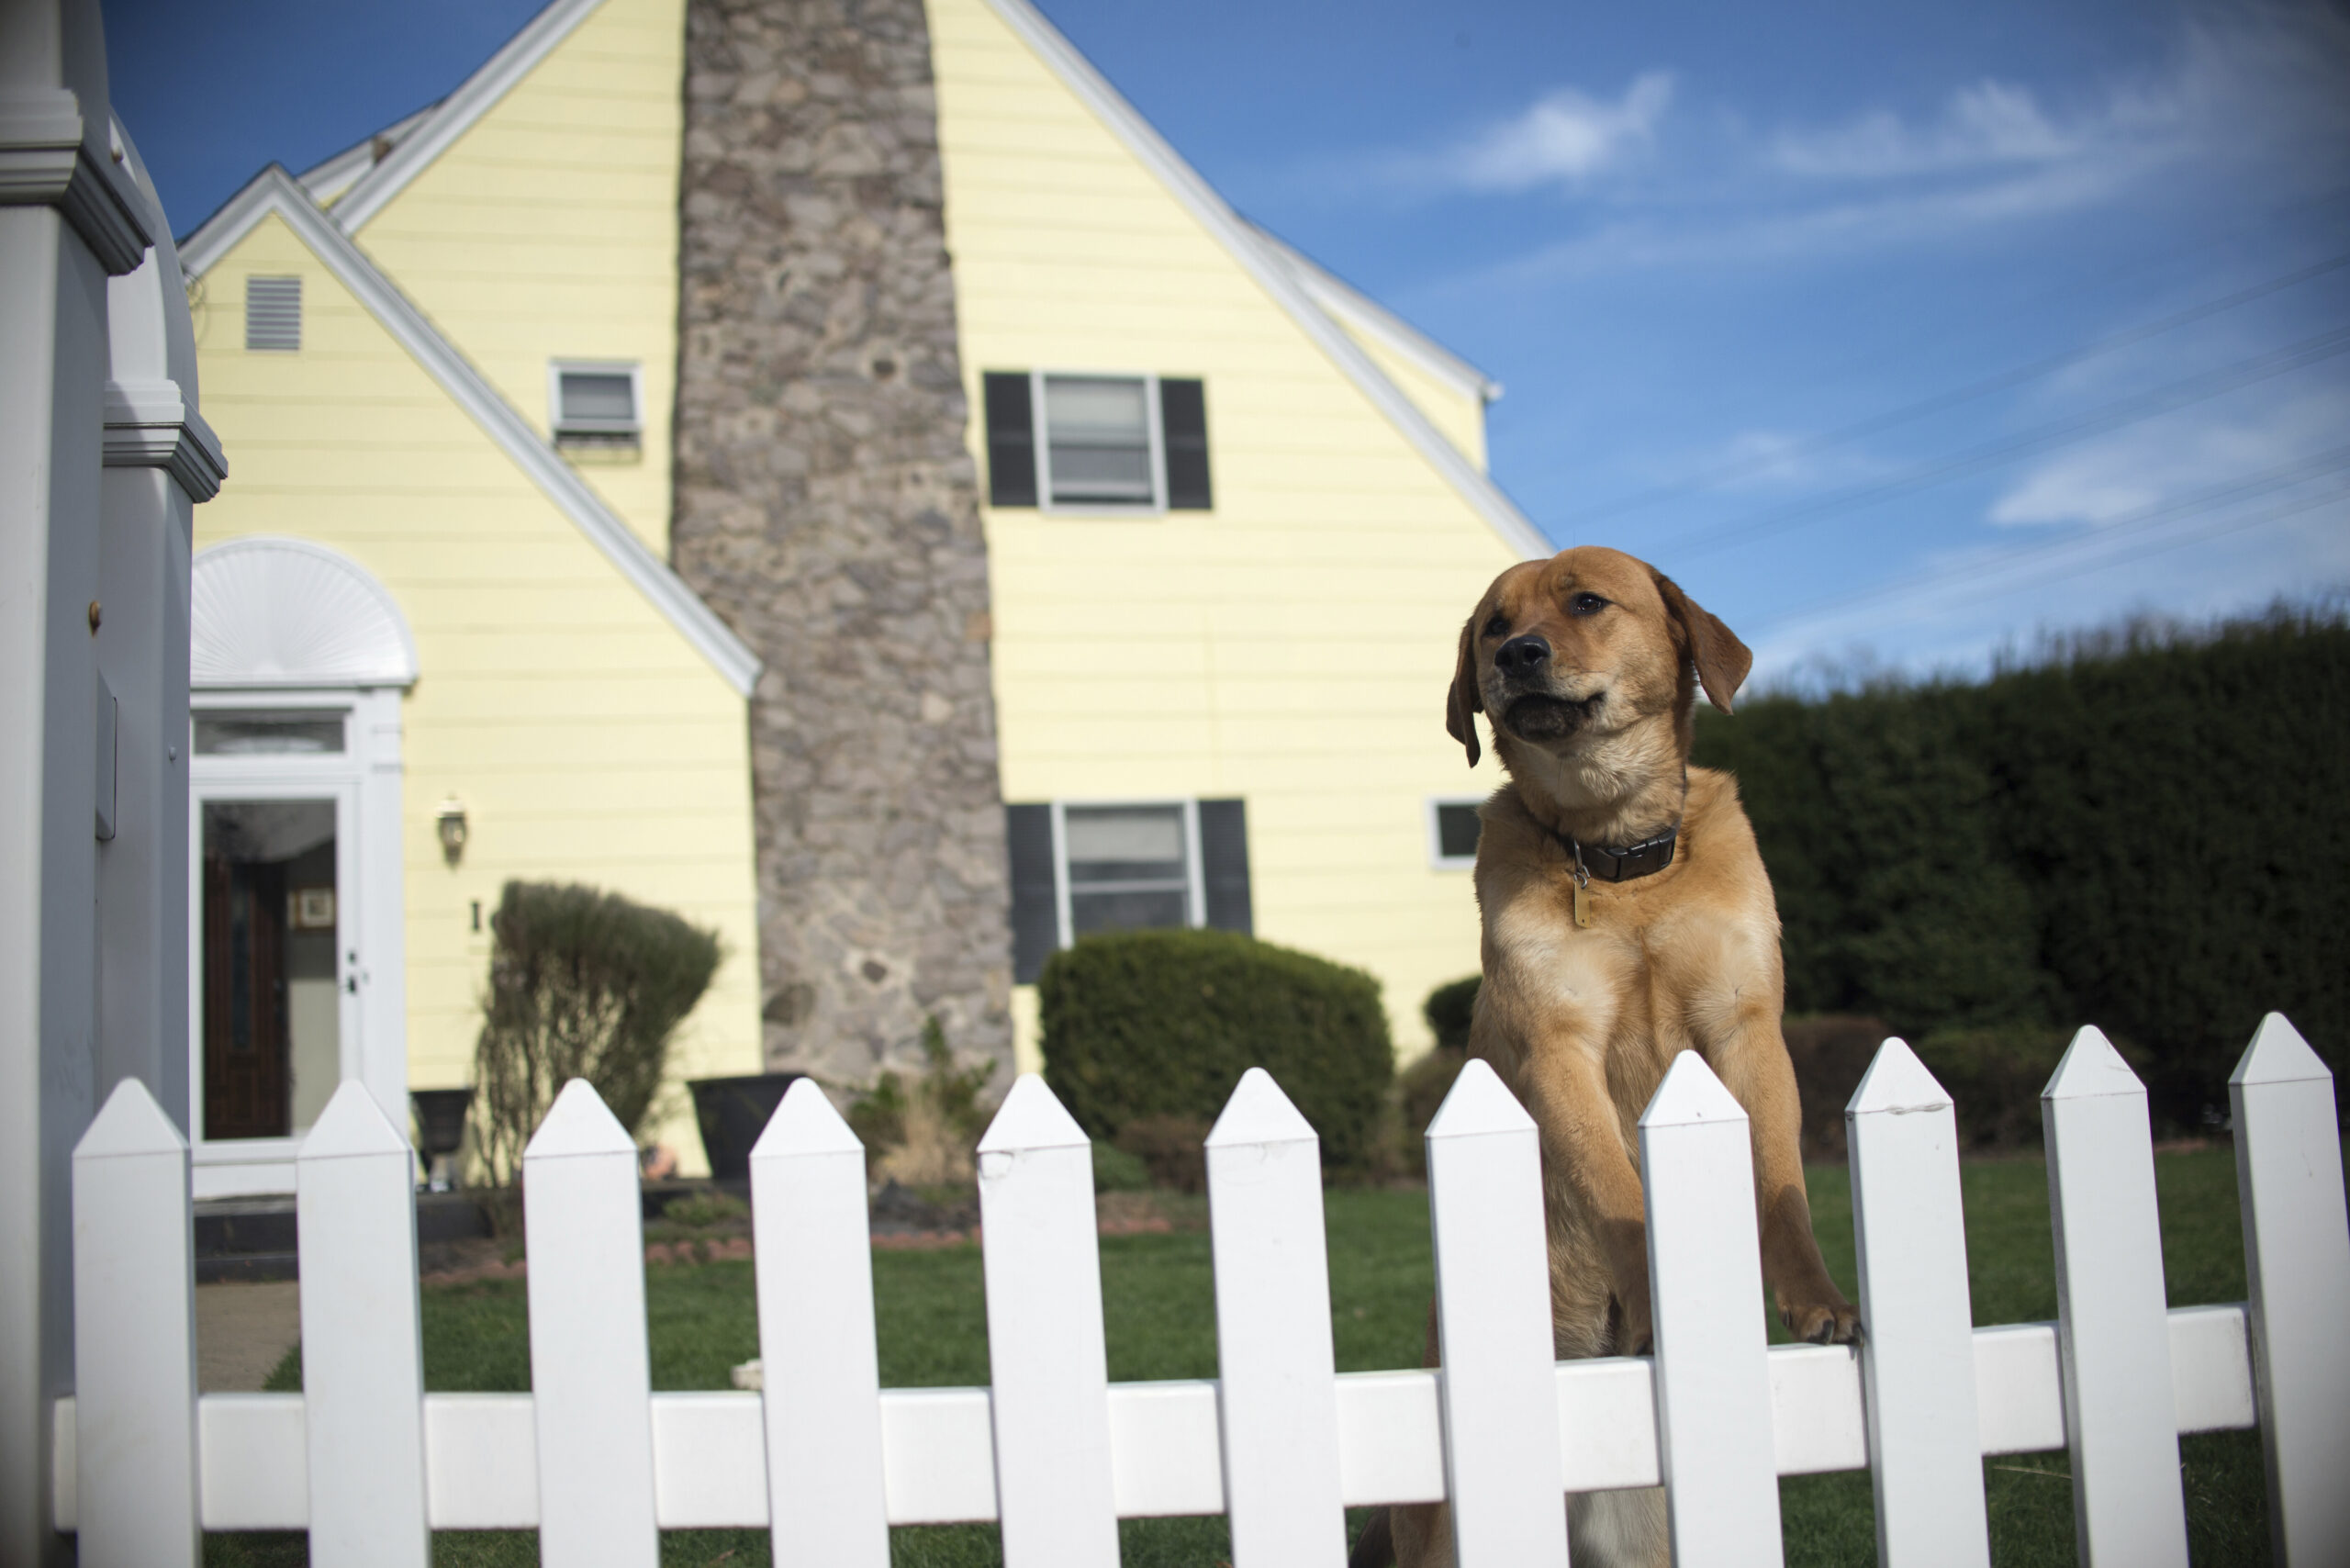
[
  {"x": 1282, "y": 637},
  {"x": 1233, "y": 514}
]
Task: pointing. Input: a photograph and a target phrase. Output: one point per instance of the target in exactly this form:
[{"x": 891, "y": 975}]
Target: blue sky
[{"x": 1900, "y": 335}]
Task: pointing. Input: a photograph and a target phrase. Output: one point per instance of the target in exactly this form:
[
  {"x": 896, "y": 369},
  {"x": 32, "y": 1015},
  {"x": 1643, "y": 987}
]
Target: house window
[
  {"x": 595, "y": 406},
  {"x": 273, "y": 314},
  {"x": 1453, "y": 826},
  {"x": 1080, "y": 867},
  {"x": 1086, "y": 442}
]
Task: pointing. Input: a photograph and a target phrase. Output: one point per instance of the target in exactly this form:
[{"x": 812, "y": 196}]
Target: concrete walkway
[{"x": 243, "y": 1332}]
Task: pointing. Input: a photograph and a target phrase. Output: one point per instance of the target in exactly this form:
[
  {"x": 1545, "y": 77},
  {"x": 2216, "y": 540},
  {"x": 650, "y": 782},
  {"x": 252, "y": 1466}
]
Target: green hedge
[
  {"x": 1145, "y": 1024},
  {"x": 2146, "y": 831}
]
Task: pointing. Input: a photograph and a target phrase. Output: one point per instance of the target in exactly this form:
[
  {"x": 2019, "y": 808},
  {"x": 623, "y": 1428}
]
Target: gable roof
[
  {"x": 1258, "y": 257},
  {"x": 275, "y": 191},
  {"x": 1342, "y": 299},
  {"x": 455, "y": 115},
  {"x": 331, "y": 177},
  {"x": 1286, "y": 274}
]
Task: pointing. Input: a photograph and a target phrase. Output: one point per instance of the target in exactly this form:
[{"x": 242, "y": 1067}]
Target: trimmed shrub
[
  {"x": 582, "y": 984},
  {"x": 1996, "y": 1077},
  {"x": 1420, "y": 1090},
  {"x": 1448, "y": 1010},
  {"x": 1830, "y": 1052},
  {"x": 1420, "y": 1087},
  {"x": 1163, "y": 1022},
  {"x": 1173, "y": 1149},
  {"x": 1115, "y": 1170}
]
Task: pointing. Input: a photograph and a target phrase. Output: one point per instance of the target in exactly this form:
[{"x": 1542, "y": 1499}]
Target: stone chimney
[{"x": 827, "y": 508}]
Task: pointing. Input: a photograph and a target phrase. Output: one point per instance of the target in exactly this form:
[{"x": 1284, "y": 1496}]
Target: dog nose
[{"x": 1522, "y": 655}]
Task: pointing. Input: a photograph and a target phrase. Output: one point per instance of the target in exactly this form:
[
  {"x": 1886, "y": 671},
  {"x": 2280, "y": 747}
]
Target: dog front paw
[{"x": 1822, "y": 1323}]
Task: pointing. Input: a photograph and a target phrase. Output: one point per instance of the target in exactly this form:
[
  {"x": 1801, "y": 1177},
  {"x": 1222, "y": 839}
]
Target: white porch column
[
  {"x": 161, "y": 460},
  {"x": 69, "y": 218}
]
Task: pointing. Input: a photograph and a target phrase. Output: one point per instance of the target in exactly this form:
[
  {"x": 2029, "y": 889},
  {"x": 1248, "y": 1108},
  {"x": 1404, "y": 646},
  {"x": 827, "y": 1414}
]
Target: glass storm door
[
  {"x": 276, "y": 1010},
  {"x": 272, "y": 981}
]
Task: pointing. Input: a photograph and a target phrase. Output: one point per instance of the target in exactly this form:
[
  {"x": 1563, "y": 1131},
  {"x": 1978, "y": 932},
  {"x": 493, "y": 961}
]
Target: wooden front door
[{"x": 249, "y": 911}]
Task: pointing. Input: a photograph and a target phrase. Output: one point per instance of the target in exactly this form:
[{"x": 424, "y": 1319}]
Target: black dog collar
[{"x": 1628, "y": 862}]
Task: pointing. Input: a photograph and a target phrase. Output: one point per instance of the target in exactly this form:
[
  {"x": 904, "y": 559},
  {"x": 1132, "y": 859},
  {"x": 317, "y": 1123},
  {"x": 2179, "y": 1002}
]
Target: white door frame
[{"x": 364, "y": 781}]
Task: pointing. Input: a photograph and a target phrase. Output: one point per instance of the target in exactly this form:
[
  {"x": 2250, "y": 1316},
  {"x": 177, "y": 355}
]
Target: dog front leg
[
  {"x": 1594, "y": 1198},
  {"x": 1752, "y": 1065}
]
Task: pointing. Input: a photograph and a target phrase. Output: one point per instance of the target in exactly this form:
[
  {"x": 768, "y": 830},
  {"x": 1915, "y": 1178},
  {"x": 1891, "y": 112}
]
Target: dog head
[{"x": 1561, "y": 654}]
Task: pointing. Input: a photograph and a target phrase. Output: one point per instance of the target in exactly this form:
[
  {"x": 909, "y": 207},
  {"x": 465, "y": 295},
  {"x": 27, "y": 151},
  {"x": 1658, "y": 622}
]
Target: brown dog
[{"x": 1627, "y": 919}]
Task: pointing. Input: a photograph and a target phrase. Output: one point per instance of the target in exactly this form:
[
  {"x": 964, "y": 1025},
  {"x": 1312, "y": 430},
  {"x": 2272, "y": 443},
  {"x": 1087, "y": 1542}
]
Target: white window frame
[
  {"x": 1438, "y": 860},
  {"x": 1195, "y": 902},
  {"x": 1155, "y": 433},
  {"x": 557, "y": 428}
]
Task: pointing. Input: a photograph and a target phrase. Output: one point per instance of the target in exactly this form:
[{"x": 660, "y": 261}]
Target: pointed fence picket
[
  {"x": 134, "y": 1339},
  {"x": 822, "y": 1385},
  {"x": 590, "y": 1368},
  {"x": 2297, "y": 1259},
  {"x": 1910, "y": 1231},
  {"x": 1713, "y": 1382},
  {"x": 1277, "y": 1383},
  {"x": 1493, "y": 1296},
  {"x": 1045, "y": 1358},
  {"x": 363, "y": 1346},
  {"x": 826, "y": 1460},
  {"x": 2120, "y": 1410}
]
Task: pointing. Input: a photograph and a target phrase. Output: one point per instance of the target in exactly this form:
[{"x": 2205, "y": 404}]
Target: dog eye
[
  {"x": 1498, "y": 625},
  {"x": 1586, "y": 604}
]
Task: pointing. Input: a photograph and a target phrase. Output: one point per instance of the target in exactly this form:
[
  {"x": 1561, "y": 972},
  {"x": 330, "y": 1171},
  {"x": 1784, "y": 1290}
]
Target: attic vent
[{"x": 274, "y": 313}]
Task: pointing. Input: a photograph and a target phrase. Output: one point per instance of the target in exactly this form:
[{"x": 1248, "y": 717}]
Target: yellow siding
[
  {"x": 1459, "y": 415},
  {"x": 1293, "y": 645},
  {"x": 588, "y": 740},
  {"x": 549, "y": 230}
]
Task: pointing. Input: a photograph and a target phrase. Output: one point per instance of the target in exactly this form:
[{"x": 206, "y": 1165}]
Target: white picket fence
[{"x": 368, "y": 1462}]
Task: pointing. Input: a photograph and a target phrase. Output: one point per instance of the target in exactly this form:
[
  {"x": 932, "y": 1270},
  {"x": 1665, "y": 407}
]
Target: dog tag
[{"x": 1582, "y": 908}]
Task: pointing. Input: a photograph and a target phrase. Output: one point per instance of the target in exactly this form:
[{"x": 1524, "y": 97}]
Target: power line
[
  {"x": 2096, "y": 422},
  {"x": 2283, "y": 476},
  {"x": 1939, "y": 402},
  {"x": 2218, "y": 531}
]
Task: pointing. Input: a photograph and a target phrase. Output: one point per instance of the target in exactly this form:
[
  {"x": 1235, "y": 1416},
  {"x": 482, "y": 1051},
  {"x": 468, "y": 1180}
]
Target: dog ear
[
  {"x": 1464, "y": 703},
  {"x": 1721, "y": 659}
]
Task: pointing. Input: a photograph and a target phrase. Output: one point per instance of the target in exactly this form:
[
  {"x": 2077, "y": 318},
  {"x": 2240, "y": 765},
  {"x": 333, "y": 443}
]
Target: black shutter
[
  {"x": 1183, "y": 419},
  {"x": 1224, "y": 862},
  {"x": 1011, "y": 441},
  {"x": 1035, "y": 902}
]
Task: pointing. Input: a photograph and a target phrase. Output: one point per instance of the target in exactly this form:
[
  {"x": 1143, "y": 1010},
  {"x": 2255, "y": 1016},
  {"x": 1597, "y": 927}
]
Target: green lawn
[{"x": 1159, "y": 1304}]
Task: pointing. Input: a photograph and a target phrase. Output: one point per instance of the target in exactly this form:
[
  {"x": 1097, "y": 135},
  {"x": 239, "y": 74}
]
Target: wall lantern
[{"x": 451, "y": 821}]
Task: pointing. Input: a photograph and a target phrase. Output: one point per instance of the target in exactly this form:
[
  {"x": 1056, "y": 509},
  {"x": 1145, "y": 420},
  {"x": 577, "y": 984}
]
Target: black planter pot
[{"x": 733, "y": 1113}]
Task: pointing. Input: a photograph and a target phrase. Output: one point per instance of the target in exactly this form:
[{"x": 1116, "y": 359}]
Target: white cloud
[
  {"x": 2233, "y": 564},
  {"x": 1990, "y": 125},
  {"x": 2254, "y": 95},
  {"x": 2159, "y": 462},
  {"x": 1766, "y": 459},
  {"x": 1565, "y": 138}
]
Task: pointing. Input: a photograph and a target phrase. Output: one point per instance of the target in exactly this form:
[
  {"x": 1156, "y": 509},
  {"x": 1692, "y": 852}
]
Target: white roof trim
[
  {"x": 273, "y": 190},
  {"x": 327, "y": 180},
  {"x": 1145, "y": 142},
  {"x": 455, "y": 114},
  {"x": 1343, "y": 300}
]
